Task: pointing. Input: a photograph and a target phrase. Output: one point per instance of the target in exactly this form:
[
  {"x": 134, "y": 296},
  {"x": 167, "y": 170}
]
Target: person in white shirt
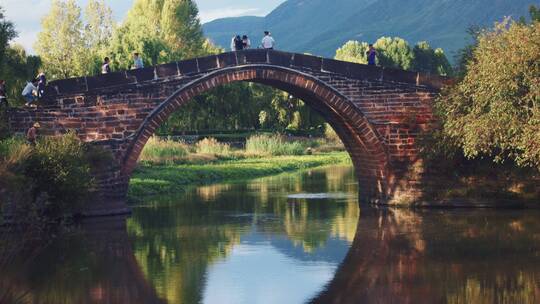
[
  {"x": 268, "y": 42},
  {"x": 233, "y": 43},
  {"x": 29, "y": 92}
]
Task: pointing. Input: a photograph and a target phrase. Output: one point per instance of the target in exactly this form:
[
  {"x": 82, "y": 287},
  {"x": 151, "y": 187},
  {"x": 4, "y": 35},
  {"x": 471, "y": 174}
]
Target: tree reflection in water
[
  {"x": 170, "y": 245},
  {"x": 176, "y": 239}
]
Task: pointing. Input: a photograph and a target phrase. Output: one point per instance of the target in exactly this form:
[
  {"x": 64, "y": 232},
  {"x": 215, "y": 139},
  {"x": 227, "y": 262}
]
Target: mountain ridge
[{"x": 320, "y": 27}]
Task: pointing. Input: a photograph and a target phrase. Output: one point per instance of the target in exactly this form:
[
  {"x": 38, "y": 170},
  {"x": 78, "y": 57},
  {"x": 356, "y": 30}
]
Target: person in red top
[{"x": 32, "y": 133}]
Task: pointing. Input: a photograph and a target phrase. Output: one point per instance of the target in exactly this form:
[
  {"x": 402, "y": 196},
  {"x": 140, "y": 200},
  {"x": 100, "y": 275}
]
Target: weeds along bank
[
  {"x": 166, "y": 166},
  {"x": 49, "y": 180}
]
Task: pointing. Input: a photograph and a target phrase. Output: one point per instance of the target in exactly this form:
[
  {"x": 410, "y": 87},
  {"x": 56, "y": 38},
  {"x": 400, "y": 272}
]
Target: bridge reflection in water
[
  {"x": 166, "y": 253},
  {"x": 404, "y": 256}
]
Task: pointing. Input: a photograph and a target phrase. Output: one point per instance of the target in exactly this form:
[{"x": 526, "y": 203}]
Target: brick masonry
[{"x": 377, "y": 112}]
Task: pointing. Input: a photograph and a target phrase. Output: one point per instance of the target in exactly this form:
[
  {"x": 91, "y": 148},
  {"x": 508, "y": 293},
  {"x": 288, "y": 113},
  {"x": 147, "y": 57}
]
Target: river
[{"x": 292, "y": 238}]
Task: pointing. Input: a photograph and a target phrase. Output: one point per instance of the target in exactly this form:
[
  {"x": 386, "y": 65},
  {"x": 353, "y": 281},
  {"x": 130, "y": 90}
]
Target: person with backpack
[
  {"x": 371, "y": 55},
  {"x": 268, "y": 42},
  {"x": 105, "y": 68},
  {"x": 246, "y": 42}
]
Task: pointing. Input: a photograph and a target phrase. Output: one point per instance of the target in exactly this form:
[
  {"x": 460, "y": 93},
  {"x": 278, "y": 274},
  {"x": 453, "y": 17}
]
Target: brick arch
[{"x": 360, "y": 137}]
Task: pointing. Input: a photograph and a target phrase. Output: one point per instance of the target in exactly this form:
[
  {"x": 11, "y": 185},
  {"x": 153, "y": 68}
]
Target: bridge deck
[{"x": 233, "y": 59}]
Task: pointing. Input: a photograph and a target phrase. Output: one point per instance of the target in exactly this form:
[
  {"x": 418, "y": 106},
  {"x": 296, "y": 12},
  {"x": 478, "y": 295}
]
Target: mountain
[{"x": 321, "y": 26}]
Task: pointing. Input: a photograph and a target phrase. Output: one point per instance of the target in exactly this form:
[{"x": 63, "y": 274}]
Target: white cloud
[{"x": 209, "y": 15}]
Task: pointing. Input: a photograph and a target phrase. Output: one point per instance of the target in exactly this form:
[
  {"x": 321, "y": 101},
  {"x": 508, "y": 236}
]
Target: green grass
[{"x": 170, "y": 178}]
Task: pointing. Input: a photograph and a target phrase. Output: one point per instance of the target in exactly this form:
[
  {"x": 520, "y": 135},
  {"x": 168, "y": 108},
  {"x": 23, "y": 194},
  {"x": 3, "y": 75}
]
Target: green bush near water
[{"x": 48, "y": 180}]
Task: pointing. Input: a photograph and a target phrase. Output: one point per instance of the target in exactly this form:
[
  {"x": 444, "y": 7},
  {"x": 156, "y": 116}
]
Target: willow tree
[{"x": 61, "y": 44}]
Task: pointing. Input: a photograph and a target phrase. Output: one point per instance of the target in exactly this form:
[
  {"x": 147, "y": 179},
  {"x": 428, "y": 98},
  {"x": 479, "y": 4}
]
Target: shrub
[
  {"x": 158, "y": 150},
  {"x": 59, "y": 169},
  {"x": 494, "y": 110},
  {"x": 212, "y": 146},
  {"x": 272, "y": 145}
]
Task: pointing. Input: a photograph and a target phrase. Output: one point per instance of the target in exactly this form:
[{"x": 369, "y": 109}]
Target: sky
[{"x": 27, "y": 14}]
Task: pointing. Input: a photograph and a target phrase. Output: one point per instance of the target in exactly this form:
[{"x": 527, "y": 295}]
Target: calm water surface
[{"x": 294, "y": 238}]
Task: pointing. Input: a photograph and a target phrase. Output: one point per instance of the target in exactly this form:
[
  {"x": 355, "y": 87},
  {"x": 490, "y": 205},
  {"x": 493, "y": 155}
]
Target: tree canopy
[
  {"x": 161, "y": 31},
  {"x": 61, "y": 44},
  {"x": 7, "y": 32},
  {"x": 397, "y": 53},
  {"x": 495, "y": 110},
  {"x": 16, "y": 67}
]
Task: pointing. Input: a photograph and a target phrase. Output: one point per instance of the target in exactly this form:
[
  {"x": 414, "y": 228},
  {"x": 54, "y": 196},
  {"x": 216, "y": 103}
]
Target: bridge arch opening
[{"x": 358, "y": 135}]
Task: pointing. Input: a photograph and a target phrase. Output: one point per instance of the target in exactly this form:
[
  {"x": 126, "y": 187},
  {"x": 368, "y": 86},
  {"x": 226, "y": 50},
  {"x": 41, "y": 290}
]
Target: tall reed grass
[
  {"x": 159, "y": 150},
  {"x": 212, "y": 146},
  {"x": 275, "y": 145}
]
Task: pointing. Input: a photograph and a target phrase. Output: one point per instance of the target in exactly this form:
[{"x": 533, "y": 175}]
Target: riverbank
[{"x": 153, "y": 179}]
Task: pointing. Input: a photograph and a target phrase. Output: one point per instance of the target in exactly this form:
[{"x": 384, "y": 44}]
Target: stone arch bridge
[{"x": 378, "y": 113}]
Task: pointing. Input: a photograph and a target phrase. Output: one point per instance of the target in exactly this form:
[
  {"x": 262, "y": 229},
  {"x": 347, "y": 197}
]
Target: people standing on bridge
[
  {"x": 246, "y": 43},
  {"x": 42, "y": 82},
  {"x": 29, "y": 92},
  {"x": 3, "y": 93},
  {"x": 32, "y": 133},
  {"x": 371, "y": 55},
  {"x": 233, "y": 45},
  {"x": 268, "y": 42},
  {"x": 137, "y": 61},
  {"x": 105, "y": 68},
  {"x": 238, "y": 43}
]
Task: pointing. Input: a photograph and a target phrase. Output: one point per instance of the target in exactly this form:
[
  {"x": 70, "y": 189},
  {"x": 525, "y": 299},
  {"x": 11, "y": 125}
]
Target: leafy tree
[
  {"x": 17, "y": 69},
  {"x": 98, "y": 32},
  {"x": 161, "y": 31},
  {"x": 15, "y": 66},
  {"x": 495, "y": 110},
  {"x": 465, "y": 54},
  {"x": 181, "y": 28},
  {"x": 396, "y": 53},
  {"x": 61, "y": 43},
  {"x": 535, "y": 13},
  {"x": 428, "y": 60},
  {"x": 353, "y": 51},
  {"x": 7, "y": 32}
]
